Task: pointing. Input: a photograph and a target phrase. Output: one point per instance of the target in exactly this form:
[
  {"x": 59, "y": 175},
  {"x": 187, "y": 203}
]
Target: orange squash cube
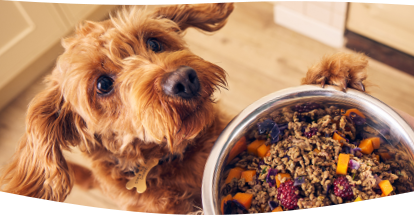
[
  {"x": 262, "y": 150},
  {"x": 224, "y": 200},
  {"x": 375, "y": 142},
  {"x": 356, "y": 111},
  {"x": 234, "y": 173},
  {"x": 338, "y": 138},
  {"x": 277, "y": 209},
  {"x": 248, "y": 175},
  {"x": 385, "y": 155},
  {"x": 386, "y": 187},
  {"x": 342, "y": 166},
  {"x": 281, "y": 176},
  {"x": 244, "y": 198},
  {"x": 238, "y": 148},
  {"x": 366, "y": 146},
  {"x": 252, "y": 147}
]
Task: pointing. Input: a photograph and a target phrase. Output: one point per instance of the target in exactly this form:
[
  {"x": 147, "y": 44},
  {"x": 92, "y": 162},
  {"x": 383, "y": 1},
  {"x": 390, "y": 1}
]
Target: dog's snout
[{"x": 183, "y": 83}]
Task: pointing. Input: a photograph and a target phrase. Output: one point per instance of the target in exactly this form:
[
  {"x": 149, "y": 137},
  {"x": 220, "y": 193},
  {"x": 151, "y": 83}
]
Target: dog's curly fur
[
  {"x": 133, "y": 123},
  {"x": 343, "y": 70},
  {"x": 136, "y": 121}
]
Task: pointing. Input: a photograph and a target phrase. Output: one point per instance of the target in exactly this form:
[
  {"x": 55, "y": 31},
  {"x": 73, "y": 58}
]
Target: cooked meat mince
[{"x": 312, "y": 156}]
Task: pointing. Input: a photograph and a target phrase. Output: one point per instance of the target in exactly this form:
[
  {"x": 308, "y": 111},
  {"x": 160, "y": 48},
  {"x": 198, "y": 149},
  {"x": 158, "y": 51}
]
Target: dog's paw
[{"x": 342, "y": 70}]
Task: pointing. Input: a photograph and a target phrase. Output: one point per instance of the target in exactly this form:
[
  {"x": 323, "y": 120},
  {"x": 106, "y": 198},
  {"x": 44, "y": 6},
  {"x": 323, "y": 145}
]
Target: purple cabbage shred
[
  {"x": 274, "y": 134},
  {"x": 328, "y": 188},
  {"x": 358, "y": 120},
  {"x": 234, "y": 207},
  {"x": 265, "y": 126},
  {"x": 353, "y": 164},
  {"x": 377, "y": 180},
  {"x": 269, "y": 180},
  {"x": 353, "y": 151},
  {"x": 273, "y": 129},
  {"x": 299, "y": 181},
  {"x": 272, "y": 205}
]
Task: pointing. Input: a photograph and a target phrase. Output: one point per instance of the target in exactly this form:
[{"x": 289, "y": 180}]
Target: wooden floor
[{"x": 260, "y": 58}]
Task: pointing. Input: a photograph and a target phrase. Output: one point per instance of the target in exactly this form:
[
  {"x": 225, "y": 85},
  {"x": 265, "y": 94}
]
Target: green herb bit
[{"x": 264, "y": 170}]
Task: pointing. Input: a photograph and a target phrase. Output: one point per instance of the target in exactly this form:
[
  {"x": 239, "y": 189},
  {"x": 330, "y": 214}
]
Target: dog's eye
[
  {"x": 154, "y": 45},
  {"x": 104, "y": 84}
]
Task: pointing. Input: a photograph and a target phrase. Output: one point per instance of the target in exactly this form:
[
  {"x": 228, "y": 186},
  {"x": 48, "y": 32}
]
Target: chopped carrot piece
[
  {"x": 358, "y": 199},
  {"x": 277, "y": 209},
  {"x": 386, "y": 187},
  {"x": 234, "y": 173},
  {"x": 224, "y": 200},
  {"x": 268, "y": 154},
  {"x": 338, "y": 137},
  {"x": 377, "y": 157},
  {"x": 375, "y": 142},
  {"x": 252, "y": 147},
  {"x": 316, "y": 151},
  {"x": 248, "y": 175},
  {"x": 239, "y": 168},
  {"x": 356, "y": 111},
  {"x": 238, "y": 148},
  {"x": 280, "y": 176},
  {"x": 342, "y": 166},
  {"x": 244, "y": 198},
  {"x": 366, "y": 146},
  {"x": 262, "y": 150},
  {"x": 385, "y": 155}
]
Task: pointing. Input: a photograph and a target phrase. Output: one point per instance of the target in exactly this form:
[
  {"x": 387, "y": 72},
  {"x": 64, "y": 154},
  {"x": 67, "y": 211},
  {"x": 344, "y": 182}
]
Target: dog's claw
[
  {"x": 323, "y": 83},
  {"x": 361, "y": 86}
]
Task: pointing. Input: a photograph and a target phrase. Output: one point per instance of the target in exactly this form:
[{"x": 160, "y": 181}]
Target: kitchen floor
[{"x": 259, "y": 56}]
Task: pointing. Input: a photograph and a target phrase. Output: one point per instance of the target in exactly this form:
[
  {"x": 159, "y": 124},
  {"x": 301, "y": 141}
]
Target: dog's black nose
[{"x": 183, "y": 83}]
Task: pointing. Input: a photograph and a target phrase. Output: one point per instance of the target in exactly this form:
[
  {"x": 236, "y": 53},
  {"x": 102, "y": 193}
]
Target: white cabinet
[
  {"x": 392, "y": 25},
  {"x": 30, "y": 39}
]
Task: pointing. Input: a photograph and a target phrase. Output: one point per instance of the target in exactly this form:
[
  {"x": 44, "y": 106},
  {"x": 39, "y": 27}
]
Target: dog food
[{"x": 311, "y": 156}]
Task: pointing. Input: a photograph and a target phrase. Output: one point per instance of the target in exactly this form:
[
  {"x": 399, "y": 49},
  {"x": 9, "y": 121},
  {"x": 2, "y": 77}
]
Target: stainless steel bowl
[{"x": 378, "y": 114}]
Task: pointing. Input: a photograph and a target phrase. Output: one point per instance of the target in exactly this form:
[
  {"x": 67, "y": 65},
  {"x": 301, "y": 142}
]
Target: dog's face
[
  {"x": 132, "y": 78},
  {"x": 125, "y": 84}
]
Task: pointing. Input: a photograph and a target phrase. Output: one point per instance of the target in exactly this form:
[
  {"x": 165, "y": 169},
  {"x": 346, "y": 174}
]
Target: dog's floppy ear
[
  {"x": 38, "y": 168},
  {"x": 207, "y": 17}
]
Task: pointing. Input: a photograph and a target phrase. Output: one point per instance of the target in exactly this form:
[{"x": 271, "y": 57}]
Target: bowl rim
[{"x": 254, "y": 109}]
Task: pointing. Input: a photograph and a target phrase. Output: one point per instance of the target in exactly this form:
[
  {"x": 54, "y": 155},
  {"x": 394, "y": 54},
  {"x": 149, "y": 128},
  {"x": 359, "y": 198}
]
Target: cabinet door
[
  {"x": 30, "y": 39},
  {"x": 389, "y": 24},
  {"x": 28, "y": 29}
]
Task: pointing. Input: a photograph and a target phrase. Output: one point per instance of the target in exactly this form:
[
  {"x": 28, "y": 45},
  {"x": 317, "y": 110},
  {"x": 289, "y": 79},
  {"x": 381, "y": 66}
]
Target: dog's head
[{"x": 121, "y": 83}]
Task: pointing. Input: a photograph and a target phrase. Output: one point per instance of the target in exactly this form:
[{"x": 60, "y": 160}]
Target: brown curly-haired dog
[{"x": 126, "y": 91}]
